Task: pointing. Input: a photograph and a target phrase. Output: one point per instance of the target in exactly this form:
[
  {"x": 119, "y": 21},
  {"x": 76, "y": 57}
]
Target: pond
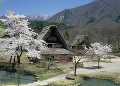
[
  {"x": 7, "y": 77},
  {"x": 98, "y": 82}
]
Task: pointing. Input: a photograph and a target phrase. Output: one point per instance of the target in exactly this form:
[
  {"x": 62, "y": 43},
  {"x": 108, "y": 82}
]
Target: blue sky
[{"x": 49, "y": 7}]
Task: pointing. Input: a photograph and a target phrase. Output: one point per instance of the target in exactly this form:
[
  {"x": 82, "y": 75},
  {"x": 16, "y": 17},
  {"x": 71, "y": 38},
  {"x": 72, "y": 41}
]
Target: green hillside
[{"x": 37, "y": 26}]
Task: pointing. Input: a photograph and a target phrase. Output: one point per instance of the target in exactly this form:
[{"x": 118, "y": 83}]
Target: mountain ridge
[
  {"x": 37, "y": 17},
  {"x": 102, "y": 12}
]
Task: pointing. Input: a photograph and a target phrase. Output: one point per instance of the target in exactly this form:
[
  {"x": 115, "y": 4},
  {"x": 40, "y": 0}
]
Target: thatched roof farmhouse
[{"x": 56, "y": 44}]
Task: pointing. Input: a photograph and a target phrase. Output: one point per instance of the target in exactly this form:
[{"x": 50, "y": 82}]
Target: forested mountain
[
  {"x": 101, "y": 12},
  {"x": 37, "y": 26}
]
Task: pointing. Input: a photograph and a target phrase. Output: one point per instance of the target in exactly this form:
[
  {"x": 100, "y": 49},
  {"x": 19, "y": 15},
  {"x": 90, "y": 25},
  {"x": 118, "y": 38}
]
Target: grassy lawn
[
  {"x": 40, "y": 69},
  {"x": 65, "y": 82},
  {"x": 43, "y": 73}
]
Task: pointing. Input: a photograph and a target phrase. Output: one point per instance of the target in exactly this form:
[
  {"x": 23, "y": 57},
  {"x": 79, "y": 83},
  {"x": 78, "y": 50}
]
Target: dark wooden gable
[{"x": 54, "y": 39}]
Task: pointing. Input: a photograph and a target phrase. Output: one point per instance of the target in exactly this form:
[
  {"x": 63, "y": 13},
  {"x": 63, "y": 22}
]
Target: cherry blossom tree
[
  {"x": 18, "y": 36},
  {"x": 0, "y": 21},
  {"x": 77, "y": 57},
  {"x": 98, "y": 50},
  {"x": 0, "y": 30}
]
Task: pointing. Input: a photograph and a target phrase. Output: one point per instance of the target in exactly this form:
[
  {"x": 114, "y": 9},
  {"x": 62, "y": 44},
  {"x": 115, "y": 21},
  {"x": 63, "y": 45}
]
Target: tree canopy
[{"x": 18, "y": 36}]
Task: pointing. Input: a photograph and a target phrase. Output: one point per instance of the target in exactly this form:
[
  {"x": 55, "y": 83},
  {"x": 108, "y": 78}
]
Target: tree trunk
[
  {"x": 75, "y": 68},
  {"x": 49, "y": 62},
  {"x": 10, "y": 60},
  {"x": 19, "y": 56},
  {"x": 13, "y": 63},
  {"x": 98, "y": 62},
  {"x": 18, "y": 59},
  {"x": 48, "y": 66}
]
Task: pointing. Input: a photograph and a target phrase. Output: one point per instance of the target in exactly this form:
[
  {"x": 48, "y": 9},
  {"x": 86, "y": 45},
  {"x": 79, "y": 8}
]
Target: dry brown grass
[
  {"x": 66, "y": 82},
  {"x": 63, "y": 82}
]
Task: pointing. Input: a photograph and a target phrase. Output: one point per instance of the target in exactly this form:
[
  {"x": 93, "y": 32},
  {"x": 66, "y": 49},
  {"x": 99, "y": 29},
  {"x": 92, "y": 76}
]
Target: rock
[{"x": 69, "y": 78}]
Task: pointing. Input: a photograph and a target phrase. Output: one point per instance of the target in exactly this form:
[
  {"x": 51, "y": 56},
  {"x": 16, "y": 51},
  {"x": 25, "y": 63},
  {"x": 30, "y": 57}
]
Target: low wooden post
[{"x": 98, "y": 61}]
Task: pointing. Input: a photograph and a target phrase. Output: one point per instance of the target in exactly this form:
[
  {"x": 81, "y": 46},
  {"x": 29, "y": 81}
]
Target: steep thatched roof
[
  {"x": 45, "y": 30},
  {"x": 56, "y": 51},
  {"x": 80, "y": 39},
  {"x": 45, "y": 33}
]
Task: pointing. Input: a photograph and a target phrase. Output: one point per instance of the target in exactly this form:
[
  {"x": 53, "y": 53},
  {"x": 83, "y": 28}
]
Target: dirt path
[{"x": 113, "y": 67}]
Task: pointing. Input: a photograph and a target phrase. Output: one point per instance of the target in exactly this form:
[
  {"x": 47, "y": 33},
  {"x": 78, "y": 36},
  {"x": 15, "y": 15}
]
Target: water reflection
[
  {"x": 98, "y": 82},
  {"x": 8, "y": 77}
]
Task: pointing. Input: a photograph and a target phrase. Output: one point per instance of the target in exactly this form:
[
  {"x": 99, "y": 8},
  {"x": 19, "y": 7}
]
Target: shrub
[
  {"x": 80, "y": 65},
  {"x": 42, "y": 64}
]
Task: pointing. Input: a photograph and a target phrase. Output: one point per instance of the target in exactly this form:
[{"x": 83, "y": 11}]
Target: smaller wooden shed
[{"x": 81, "y": 39}]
